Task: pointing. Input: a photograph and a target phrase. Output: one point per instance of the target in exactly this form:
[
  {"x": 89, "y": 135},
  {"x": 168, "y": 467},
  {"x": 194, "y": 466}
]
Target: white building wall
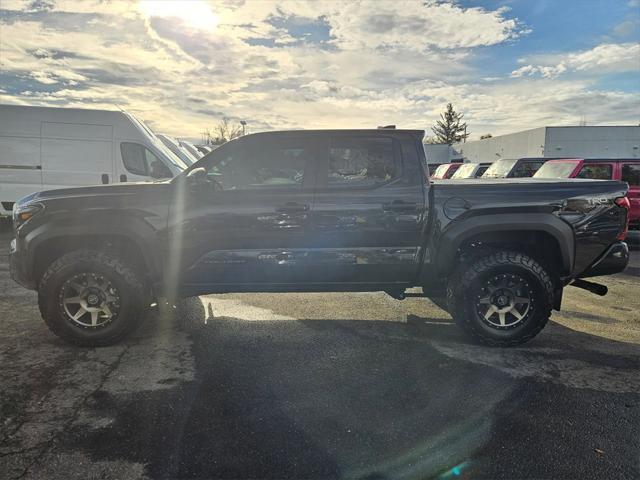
[
  {"x": 529, "y": 143},
  {"x": 593, "y": 142},
  {"x": 437, "y": 153}
]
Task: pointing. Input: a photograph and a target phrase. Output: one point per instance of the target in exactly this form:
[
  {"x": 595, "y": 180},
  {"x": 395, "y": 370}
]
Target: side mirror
[{"x": 197, "y": 176}]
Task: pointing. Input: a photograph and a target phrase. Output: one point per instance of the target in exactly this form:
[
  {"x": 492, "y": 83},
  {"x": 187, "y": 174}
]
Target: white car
[{"x": 44, "y": 148}]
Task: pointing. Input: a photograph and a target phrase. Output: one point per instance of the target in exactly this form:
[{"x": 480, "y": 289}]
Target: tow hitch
[{"x": 596, "y": 288}]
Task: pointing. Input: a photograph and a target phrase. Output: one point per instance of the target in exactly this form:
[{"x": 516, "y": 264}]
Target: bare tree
[{"x": 225, "y": 131}]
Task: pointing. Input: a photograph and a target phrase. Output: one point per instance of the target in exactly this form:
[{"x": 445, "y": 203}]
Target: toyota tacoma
[{"x": 316, "y": 211}]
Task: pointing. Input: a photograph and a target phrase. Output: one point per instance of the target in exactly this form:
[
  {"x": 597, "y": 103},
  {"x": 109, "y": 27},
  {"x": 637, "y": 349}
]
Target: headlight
[{"x": 23, "y": 213}]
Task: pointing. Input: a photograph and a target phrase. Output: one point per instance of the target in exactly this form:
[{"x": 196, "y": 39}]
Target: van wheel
[
  {"x": 91, "y": 298},
  {"x": 503, "y": 299}
]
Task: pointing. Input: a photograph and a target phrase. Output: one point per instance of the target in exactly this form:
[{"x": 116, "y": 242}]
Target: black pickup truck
[{"x": 313, "y": 211}]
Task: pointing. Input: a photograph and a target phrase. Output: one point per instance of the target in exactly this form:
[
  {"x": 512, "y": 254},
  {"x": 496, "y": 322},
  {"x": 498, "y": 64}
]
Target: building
[{"x": 548, "y": 142}]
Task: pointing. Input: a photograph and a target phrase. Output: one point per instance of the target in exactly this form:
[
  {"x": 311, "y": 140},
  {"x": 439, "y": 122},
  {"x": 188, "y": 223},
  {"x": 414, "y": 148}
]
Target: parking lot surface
[{"x": 323, "y": 386}]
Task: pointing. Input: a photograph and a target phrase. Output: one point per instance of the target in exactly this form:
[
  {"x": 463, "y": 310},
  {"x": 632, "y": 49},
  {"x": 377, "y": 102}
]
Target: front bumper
[
  {"x": 613, "y": 260},
  {"x": 17, "y": 267}
]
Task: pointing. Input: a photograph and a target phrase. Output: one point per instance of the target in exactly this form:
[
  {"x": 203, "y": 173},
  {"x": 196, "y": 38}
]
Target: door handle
[
  {"x": 292, "y": 207},
  {"x": 105, "y": 178},
  {"x": 400, "y": 206}
]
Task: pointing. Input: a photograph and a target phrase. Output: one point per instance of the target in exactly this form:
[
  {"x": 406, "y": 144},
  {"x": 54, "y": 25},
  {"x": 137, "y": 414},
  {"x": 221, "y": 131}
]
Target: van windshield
[
  {"x": 500, "y": 169},
  {"x": 556, "y": 170},
  {"x": 168, "y": 154}
]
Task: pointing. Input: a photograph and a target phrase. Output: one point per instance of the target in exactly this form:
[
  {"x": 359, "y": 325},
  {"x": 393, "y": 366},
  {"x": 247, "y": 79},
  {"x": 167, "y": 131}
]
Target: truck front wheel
[
  {"x": 91, "y": 298},
  {"x": 503, "y": 299}
]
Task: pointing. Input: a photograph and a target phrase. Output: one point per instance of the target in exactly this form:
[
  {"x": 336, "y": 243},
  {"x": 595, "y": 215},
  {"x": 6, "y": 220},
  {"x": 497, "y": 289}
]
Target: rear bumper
[
  {"x": 613, "y": 260},
  {"x": 17, "y": 267}
]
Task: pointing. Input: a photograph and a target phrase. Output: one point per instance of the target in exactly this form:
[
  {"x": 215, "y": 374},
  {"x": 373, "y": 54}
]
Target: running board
[
  {"x": 592, "y": 287},
  {"x": 401, "y": 294}
]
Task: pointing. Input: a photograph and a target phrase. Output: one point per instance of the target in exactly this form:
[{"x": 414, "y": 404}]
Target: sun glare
[{"x": 194, "y": 13}]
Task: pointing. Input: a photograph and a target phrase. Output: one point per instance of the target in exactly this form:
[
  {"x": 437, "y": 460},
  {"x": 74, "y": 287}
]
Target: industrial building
[{"x": 547, "y": 142}]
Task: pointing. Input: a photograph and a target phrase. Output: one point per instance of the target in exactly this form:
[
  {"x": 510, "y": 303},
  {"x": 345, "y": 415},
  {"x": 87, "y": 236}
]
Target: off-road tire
[
  {"x": 465, "y": 283},
  {"x": 134, "y": 297}
]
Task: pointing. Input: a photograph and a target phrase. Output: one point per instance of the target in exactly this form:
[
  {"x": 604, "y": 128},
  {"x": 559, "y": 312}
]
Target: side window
[
  {"x": 481, "y": 170},
  {"x": 594, "y": 171},
  {"x": 361, "y": 162},
  {"x": 266, "y": 165},
  {"x": 155, "y": 166},
  {"x": 139, "y": 160},
  {"x": 631, "y": 173},
  {"x": 133, "y": 158},
  {"x": 527, "y": 169}
]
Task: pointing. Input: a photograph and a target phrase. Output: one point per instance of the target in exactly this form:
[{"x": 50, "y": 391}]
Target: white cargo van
[
  {"x": 177, "y": 149},
  {"x": 43, "y": 148}
]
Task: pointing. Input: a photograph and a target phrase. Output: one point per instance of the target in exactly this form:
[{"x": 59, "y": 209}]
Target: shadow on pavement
[{"x": 370, "y": 399}]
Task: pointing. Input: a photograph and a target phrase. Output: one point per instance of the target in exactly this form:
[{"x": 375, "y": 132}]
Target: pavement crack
[{"x": 76, "y": 411}]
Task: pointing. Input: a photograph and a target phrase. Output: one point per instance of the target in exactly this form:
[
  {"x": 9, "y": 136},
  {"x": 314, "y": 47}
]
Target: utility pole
[{"x": 244, "y": 124}]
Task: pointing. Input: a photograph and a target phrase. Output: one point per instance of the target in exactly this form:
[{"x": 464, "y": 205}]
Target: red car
[
  {"x": 625, "y": 169},
  {"x": 446, "y": 170}
]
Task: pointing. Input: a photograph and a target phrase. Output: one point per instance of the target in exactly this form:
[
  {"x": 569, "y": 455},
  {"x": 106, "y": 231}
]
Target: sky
[{"x": 182, "y": 66}]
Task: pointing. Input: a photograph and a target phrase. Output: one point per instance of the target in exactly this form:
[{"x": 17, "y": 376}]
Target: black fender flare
[
  {"x": 459, "y": 231},
  {"x": 111, "y": 224}
]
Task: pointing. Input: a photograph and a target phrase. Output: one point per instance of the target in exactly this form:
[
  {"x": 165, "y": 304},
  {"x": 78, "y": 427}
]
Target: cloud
[
  {"x": 604, "y": 58},
  {"x": 289, "y": 64}
]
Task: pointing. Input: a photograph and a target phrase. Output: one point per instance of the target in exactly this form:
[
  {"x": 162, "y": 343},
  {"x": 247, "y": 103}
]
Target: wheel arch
[
  {"x": 136, "y": 246},
  {"x": 544, "y": 236}
]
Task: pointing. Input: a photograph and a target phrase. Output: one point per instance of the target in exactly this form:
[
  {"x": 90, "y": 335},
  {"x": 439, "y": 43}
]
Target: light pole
[{"x": 244, "y": 124}]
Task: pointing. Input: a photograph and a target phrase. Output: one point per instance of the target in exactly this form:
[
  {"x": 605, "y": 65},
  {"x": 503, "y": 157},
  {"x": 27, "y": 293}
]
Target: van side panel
[
  {"x": 20, "y": 172},
  {"x": 76, "y": 154}
]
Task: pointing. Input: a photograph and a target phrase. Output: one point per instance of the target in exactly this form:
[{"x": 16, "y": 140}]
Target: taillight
[{"x": 623, "y": 202}]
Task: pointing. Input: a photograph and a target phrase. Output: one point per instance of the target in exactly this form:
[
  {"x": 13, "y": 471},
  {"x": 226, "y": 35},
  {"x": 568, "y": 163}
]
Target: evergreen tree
[{"x": 449, "y": 128}]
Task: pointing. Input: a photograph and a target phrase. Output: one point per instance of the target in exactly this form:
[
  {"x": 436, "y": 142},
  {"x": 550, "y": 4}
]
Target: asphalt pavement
[{"x": 323, "y": 386}]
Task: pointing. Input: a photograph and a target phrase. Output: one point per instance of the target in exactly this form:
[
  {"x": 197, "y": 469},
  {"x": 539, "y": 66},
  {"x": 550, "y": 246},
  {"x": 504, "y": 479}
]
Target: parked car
[
  {"x": 624, "y": 169},
  {"x": 470, "y": 170},
  {"x": 191, "y": 148},
  {"x": 514, "y": 168},
  {"x": 43, "y": 148},
  {"x": 178, "y": 150},
  {"x": 445, "y": 171},
  {"x": 316, "y": 211},
  {"x": 432, "y": 167}
]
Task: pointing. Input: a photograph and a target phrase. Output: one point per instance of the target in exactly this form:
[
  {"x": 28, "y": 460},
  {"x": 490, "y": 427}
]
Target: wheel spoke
[
  {"x": 516, "y": 313},
  {"x": 81, "y": 311},
  {"x": 485, "y": 301},
  {"x": 94, "y": 318},
  {"x": 503, "y": 318},
  {"x": 521, "y": 300},
  {"x": 490, "y": 312},
  {"x": 106, "y": 310},
  {"x": 72, "y": 300}
]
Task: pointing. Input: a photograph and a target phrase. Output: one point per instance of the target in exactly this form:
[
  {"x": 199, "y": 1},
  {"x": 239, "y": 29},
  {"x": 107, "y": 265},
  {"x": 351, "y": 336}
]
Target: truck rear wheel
[
  {"x": 503, "y": 299},
  {"x": 91, "y": 298}
]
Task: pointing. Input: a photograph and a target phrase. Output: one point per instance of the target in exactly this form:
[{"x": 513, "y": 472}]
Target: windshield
[
  {"x": 441, "y": 170},
  {"x": 465, "y": 171},
  {"x": 499, "y": 169},
  {"x": 168, "y": 154},
  {"x": 556, "y": 170}
]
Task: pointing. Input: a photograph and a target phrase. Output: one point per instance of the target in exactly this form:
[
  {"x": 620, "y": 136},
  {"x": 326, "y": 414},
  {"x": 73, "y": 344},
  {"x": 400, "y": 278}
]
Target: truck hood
[{"x": 115, "y": 189}]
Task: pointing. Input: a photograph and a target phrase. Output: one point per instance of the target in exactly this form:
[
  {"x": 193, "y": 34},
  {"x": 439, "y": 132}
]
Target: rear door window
[
  {"x": 596, "y": 171},
  {"x": 362, "y": 162},
  {"x": 631, "y": 173}
]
